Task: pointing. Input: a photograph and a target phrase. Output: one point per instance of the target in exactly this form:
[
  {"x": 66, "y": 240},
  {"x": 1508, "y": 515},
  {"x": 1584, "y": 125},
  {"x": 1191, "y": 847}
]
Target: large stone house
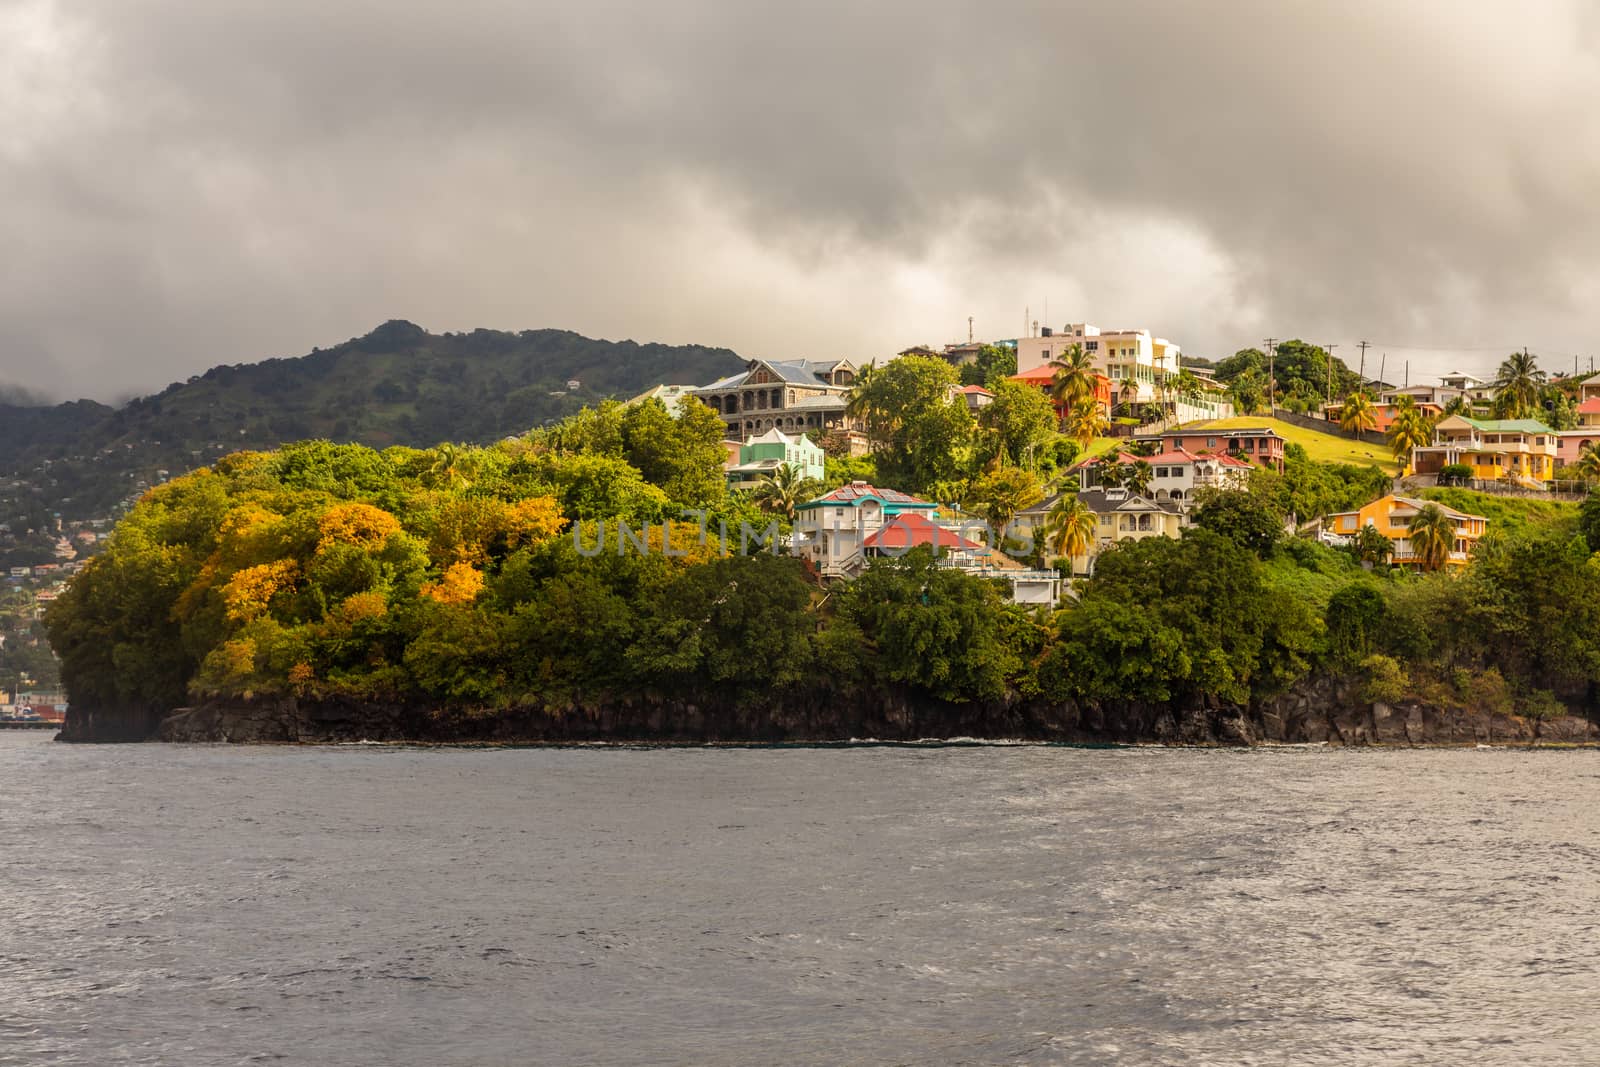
[{"x": 789, "y": 395}]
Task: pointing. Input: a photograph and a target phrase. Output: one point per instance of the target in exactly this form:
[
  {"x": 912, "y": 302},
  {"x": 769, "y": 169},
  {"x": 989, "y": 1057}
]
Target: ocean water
[{"x": 1031, "y": 905}]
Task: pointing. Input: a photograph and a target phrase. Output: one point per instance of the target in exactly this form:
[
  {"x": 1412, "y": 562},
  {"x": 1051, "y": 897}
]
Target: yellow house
[
  {"x": 1392, "y": 516},
  {"x": 1522, "y": 451},
  {"x": 1122, "y": 515}
]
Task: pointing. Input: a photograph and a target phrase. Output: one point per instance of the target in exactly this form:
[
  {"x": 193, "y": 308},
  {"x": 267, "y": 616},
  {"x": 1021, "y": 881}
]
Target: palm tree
[
  {"x": 1069, "y": 527},
  {"x": 1410, "y": 429},
  {"x": 1456, "y": 405},
  {"x": 1372, "y": 546},
  {"x": 1004, "y": 493},
  {"x": 1187, "y": 384},
  {"x": 1358, "y": 415},
  {"x": 1137, "y": 477},
  {"x": 1432, "y": 536},
  {"x": 1589, "y": 461},
  {"x": 1074, "y": 377},
  {"x": 1517, "y": 385},
  {"x": 1127, "y": 395},
  {"x": 451, "y": 467},
  {"x": 1110, "y": 472},
  {"x": 783, "y": 489},
  {"x": 1085, "y": 421},
  {"x": 861, "y": 403}
]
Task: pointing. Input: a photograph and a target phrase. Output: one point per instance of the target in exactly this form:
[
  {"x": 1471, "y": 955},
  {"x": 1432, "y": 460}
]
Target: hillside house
[
  {"x": 955, "y": 549},
  {"x": 1518, "y": 451},
  {"x": 789, "y": 395},
  {"x": 832, "y": 529},
  {"x": 1261, "y": 445},
  {"x": 1392, "y": 516},
  {"x": 1120, "y": 515},
  {"x": 763, "y": 455},
  {"x": 1175, "y": 472}
]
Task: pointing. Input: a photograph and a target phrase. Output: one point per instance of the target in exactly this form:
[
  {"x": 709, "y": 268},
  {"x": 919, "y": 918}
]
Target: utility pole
[
  {"x": 1408, "y": 374},
  {"x": 969, "y": 329},
  {"x": 1383, "y": 360},
  {"x": 1363, "y": 372},
  {"x": 1329, "y": 350},
  {"x": 1272, "y": 382}
]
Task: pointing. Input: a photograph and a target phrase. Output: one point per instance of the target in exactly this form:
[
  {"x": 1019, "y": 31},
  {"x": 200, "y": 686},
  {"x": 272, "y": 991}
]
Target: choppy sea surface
[{"x": 1031, "y": 905}]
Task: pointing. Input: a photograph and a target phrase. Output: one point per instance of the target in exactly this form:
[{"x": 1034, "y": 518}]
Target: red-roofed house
[
  {"x": 1175, "y": 473},
  {"x": 976, "y": 397},
  {"x": 1043, "y": 378},
  {"x": 1570, "y": 443},
  {"x": 1261, "y": 444},
  {"x": 912, "y": 530},
  {"x": 916, "y": 530},
  {"x": 832, "y": 529}
]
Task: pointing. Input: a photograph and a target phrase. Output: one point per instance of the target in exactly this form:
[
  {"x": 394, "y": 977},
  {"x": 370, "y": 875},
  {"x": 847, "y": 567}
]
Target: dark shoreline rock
[{"x": 1318, "y": 710}]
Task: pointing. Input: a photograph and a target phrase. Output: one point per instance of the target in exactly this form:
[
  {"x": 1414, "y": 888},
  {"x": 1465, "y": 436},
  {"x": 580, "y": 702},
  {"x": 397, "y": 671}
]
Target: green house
[{"x": 763, "y": 455}]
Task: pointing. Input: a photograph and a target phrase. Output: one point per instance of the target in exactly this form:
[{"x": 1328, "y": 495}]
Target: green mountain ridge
[{"x": 397, "y": 385}]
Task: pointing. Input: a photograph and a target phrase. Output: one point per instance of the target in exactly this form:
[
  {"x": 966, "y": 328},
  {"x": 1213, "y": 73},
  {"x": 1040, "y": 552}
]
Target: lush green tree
[
  {"x": 1001, "y": 494},
  {"x": 1071, "y": 528},
  {"x": 1240, "y": 517},
  {"x": 1136, "y": 476},
  {"x": 1357, "y": 616},
  {"x": 1247, "y": 391},
  {"x": 1409, "y": 430},
  {"x": 931, "y": 628},
  {"x": 682, "y": 456},
  {"x": 1588, "y": 465},
  {"x": 995, "y": 363},
  {"x": 1372, "y": 546},
  {"x": 1017, "y": 425},
  {"x": 922, "y": 423},
  {"x": 1560, "y": 413}
]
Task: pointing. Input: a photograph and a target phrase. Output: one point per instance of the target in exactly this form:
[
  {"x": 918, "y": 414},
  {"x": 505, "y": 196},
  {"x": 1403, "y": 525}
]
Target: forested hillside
[{"x": 398, "y": 384}]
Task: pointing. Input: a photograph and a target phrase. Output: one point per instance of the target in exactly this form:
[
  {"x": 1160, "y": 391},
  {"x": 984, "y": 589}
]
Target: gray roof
[
  {"x": 1108, "y": 501},
  {"x": 806, "y": 372}
]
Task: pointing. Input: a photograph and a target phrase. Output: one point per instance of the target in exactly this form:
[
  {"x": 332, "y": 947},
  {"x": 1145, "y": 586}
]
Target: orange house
[
  {"x": 1392, "y": 516},
  {"x": 1044, "y": 378}
]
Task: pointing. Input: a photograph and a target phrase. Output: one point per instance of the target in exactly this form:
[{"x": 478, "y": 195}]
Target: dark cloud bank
[{"x": 190, "y": 184}]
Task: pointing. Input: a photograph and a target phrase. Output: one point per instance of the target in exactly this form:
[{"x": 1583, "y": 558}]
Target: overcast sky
[{"x": 187, "y": 184}]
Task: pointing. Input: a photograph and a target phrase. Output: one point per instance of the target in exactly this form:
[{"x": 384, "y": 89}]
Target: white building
[
  {"x": 1176, "y": 473},
  {"x": 1136, "y": 362}
]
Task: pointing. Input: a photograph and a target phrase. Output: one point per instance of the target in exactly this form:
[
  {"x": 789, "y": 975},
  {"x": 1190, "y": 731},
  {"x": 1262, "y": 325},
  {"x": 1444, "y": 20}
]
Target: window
[
  {"x": 1091, "y": 346},
  {"x": 1105, "y": 520},
  {"x": 1211, "y": 442},
  {"x": 1047, "y": 353},
  {"x": 1161, "y": 472}
]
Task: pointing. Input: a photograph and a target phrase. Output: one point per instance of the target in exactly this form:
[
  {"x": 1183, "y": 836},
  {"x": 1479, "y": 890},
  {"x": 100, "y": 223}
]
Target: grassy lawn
[
  {"x": 1512, "y": 514},
  {"x": 1322, "y": 447}
]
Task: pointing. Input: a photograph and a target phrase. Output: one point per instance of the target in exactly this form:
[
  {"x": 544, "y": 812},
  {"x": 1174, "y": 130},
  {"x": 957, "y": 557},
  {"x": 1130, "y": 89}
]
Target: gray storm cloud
[{"x": 191, "y": 184}]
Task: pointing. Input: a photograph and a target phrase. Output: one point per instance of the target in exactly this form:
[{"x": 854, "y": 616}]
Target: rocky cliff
[{"x": 1318, "y": 710}]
